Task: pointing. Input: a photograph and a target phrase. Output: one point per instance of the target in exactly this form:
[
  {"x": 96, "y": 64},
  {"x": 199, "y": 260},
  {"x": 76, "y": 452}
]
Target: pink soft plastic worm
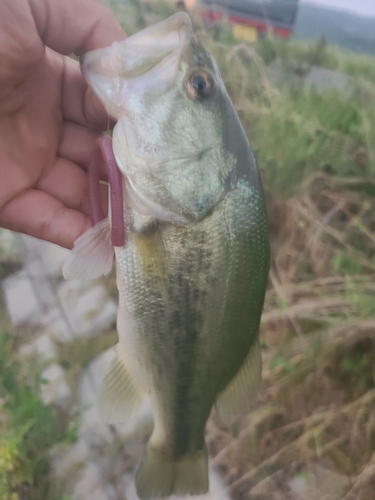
[{"x": 104, "y": 153}]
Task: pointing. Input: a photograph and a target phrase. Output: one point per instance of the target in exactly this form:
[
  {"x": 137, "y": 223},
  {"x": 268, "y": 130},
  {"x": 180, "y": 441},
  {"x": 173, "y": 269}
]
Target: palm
[
  {"x": 37, "y": 127},
  {"x": 49, "y": 122}
]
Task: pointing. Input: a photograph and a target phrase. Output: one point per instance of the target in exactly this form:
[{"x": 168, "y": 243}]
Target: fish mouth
[{"x": 134, "y": 64}]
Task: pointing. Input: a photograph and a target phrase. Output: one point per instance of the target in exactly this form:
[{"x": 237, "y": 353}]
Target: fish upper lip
[{"x": 163, "y": 38}]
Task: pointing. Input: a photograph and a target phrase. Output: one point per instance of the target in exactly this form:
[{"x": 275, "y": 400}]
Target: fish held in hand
[{"x": 193, "y": 271}]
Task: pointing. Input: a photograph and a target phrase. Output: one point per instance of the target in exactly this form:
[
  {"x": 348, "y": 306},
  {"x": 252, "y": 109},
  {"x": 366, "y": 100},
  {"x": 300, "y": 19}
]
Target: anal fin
[
  {"x": 120, "y": 395},
  {"x": 237, "y": 397}
]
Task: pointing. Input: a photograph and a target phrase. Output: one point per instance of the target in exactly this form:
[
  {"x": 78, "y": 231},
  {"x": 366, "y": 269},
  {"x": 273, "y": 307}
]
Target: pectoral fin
[
  {"x": 92, "y": 254},
  {"x": 120, "y": 395},
  {"x": 237, "y": 398}
]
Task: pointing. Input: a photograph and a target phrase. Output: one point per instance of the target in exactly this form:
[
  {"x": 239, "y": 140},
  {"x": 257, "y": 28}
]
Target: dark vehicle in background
[{"x": 251, "y": 18}]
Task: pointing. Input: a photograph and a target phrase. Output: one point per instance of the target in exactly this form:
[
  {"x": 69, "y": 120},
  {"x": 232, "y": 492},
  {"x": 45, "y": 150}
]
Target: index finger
[{"x": 75, "y": 26}]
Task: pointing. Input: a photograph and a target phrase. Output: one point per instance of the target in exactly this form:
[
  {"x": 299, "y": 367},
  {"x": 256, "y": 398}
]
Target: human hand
[{"x": 49, "y": 118}]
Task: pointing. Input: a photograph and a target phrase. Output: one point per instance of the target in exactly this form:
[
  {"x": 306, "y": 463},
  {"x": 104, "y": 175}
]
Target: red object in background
[
  {"x": 261, "y": 26},
  {"x": 276, "y": 16}
]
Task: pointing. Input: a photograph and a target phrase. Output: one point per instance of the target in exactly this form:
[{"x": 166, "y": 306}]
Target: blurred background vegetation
[{"x": 315, "y": 148}]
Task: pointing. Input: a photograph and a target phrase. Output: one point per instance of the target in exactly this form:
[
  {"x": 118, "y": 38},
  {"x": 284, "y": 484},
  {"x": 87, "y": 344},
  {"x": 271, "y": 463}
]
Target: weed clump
[{"x": 28, "y": 430}]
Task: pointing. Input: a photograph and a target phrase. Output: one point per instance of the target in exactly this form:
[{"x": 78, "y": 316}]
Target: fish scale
[{"x": 185, "y": 317}]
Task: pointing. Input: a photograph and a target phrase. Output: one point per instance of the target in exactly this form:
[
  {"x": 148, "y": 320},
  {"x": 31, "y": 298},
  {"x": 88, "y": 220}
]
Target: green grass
[
  {"x": 294, "y": 131},
  {"x": 28, "y": 430}
]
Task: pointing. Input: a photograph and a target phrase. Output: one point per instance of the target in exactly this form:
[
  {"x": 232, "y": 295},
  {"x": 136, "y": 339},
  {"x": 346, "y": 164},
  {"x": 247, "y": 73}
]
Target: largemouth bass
[{"x": 192, "y": 274}]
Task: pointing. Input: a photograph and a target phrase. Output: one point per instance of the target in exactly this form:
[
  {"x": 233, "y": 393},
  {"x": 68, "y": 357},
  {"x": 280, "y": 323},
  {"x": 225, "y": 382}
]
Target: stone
[
  {"x": 42, "y": 347},
  {"x": 64, "y": 463},
  {"x": 319, "y": 483},
  {"x": 58, "y": 324},
  {"x": 20, "y": 298},
  {"x": 88, "y": 307},
  {"x": 93, "y": 486},
  {"x": 29, "y": 248},
  {"x": 92, "y": 429},
  {"x": 300, "y": 488},
  {"x": 55, "y": 388},
  {"x": 323, "y": 79},
  {"x": 291, "y": 73},
  {"x": 42, "y": 285},
  {"x": 29, "y": 294},
  {"x": 51, "y": 256}
]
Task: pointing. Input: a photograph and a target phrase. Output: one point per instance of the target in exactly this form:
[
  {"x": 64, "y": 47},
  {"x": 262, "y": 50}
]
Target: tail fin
[
  {"x": 160, "y": 477},
  {"x": 192, "y": 474}
]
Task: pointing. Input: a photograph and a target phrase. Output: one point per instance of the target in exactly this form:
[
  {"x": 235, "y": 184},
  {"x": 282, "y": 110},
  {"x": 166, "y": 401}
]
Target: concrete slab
[
  {"x": 88, "y": 307},
  {"x": 42, "y": 347},
  {"x": 66, "y": 463},
  {"x": 324, "y": 79},
  {"x": 28, "y": 293},
  {"x": 293, "y": 74},
  {"x": 57, "y": 323},
  {"x": 43, "y": 288},
  {"x": 319, "y": 483},
  {"x": 93, "y": 486},
  {"x": 55, "y": 389},
  {"x": 92, "y": 429},
  {"x": 51, "y": 256},
  {"x": 20, "y": 298}
]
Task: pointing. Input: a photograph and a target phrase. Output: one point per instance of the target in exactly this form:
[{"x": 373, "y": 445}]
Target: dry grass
[{"x": 316, "y": 412}]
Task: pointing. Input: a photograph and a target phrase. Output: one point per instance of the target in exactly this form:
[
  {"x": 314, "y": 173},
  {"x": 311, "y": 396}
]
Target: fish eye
[{"x": 200, "y": 85}]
